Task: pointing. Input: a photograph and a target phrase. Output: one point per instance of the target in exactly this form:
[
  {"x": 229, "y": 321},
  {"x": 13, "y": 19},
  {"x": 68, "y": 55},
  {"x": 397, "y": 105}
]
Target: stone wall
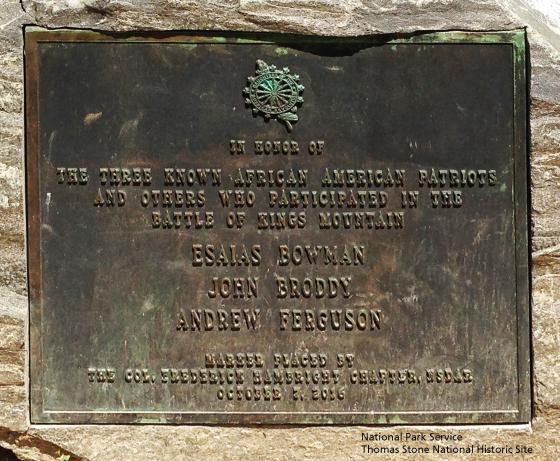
[{"x": 327, "y": 17}]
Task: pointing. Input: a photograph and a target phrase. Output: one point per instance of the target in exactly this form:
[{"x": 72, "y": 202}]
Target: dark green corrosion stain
[{"x": 274, "y": 93}]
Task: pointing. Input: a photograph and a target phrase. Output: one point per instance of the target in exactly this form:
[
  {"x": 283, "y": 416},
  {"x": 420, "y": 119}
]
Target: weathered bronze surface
[{"x": 277, "y": 229}]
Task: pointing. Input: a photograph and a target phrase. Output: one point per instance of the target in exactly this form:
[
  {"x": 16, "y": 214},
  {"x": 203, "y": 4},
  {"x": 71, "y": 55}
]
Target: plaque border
[{"x": 516, "y": 38}]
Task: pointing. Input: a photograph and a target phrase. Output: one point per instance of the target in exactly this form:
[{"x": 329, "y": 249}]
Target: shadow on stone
[{"x": 7, "y": 455}]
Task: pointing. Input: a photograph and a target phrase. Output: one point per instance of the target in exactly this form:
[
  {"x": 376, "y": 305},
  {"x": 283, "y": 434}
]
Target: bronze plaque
[{"x": 277, "y": 229}]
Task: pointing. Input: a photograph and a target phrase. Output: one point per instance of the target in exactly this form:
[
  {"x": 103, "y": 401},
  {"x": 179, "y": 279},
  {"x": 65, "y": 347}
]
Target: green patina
[
  {"x": 515, "y": 36},
  {"x": 153, "y": 420},
  {"x": 519, "y": 48},
  {"x": 274, "y": 93},
  {"x": 396, "y": 419}
]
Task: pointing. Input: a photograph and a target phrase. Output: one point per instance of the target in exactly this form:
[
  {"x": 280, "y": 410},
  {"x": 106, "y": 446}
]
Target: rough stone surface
[
  {"x": 13, "y": 405},
  {"x": 349, "y": 17}
]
